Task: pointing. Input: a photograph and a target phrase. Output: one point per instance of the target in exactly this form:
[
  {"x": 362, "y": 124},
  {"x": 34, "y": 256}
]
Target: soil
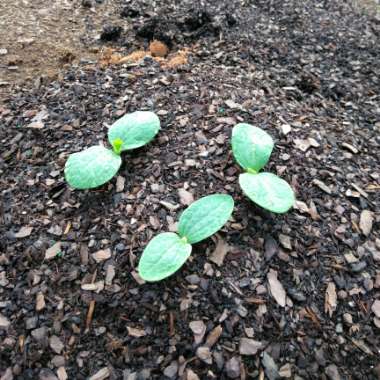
[
  {"x": 295, "y": 296},
  {"x": 42, "y": 37}
]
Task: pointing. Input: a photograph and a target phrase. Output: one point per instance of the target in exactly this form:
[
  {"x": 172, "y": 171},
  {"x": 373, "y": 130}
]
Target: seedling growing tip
[
  {"x": 252, "y": 147},
  {"x": 95, "y": 166},
  {"x": 116, "y": 145},
  {"x": 168, "y": 251}
]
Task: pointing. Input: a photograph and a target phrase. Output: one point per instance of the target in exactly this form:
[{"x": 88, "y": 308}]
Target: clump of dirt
[
  {"x": 111, "y": 33},
  {"x": 129, "y": 12},
  {"x": 181, "y": 28},
  {"x": 158, "y": 51}
]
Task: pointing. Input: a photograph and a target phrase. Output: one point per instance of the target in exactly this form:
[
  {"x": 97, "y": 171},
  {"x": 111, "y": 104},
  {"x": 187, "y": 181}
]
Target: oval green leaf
[
  {"x": 91, "y": 167},
  {"x": 205, "y": 216},
  {"x": 134, "y": 129},
  {"x": 163, "y": 256},
  {"x": 268, "y": 191},
  {"x": 251, "y": 146}
]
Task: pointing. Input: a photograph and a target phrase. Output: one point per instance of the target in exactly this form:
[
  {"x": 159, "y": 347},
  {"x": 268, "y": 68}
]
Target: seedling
[
  {"x": 168, "y": 251},
  {"x": 252, "y": 148},
  {"x": 97, "y": 165}
]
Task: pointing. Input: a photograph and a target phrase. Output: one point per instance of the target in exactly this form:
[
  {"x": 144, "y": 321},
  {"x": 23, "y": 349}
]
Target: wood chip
[
  {"x": 56, "y": 344},
  {"x": 360, "y": 344},
  {"x": 376, "y": 308},
  {"x": 89, "y": 315},
  {"x": 4, "y": 322},
  {"x": 169, "y": 206},
  {"x": 84, "y": 254},
  {"x": 226, "y": 120},
  {"x": 62, "y": 374},
  {"x": 199, "y": 329},
  {"x": 350, "y": 258},
  {"x": 214, "y": 336},
  {"x": 186, "y": 198},
  {"x": 40, "y": 301},
  {"x": 110, "y": 274},
  {"x": 53, "y": 251},
  {"x": 305, "y": 144},
  {"x": 350, "y": 147},
  {"x": 249, "y": 346},
  {"x": 96, "y": 286},
  {"x": 101, "y": 255},
  {"x": 313, "y": 211},
  {"x": 285, "y": 129},
  {"x": 89, "y": 287},
  {"x": 322, "y": 186},
  {"x": 120, "y": 182},
  {"x": 285, "y": 241},
  {"x": 102, "y": 374},
  {"x": 204, "y": 354},
  {"x": 366, "y": 222},
  {"x": 36, "y": 125},
  {"x": 220, "y": 252},
  {"x": 136, "y": 333},
  {"x": 23, "y": 232},
  {"x": 301, "y": 206},
  {"x": 330, "y": 299},
  {"x": 276, "y": 288},
  {"x": 231, "y": 104},
  {"x": 190, "y": 375},
  {"x": 360, "y": 190},
  {"x": 137, "y": 278}
]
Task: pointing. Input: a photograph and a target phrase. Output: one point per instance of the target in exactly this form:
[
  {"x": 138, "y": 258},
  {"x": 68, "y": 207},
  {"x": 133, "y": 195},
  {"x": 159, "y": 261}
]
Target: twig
[{"x": 91, "y": 308}]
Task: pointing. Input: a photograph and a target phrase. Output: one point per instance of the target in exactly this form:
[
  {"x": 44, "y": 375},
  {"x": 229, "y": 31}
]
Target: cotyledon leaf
[
  {"x": 91, "y": 167},
  {"x": 251, "y": 146},
  {"x": 205, "y": 216},
  {"x": 268, "y": 191},
  {"x": 163, "y": 256},
  {"x": 134, "y": 129}
]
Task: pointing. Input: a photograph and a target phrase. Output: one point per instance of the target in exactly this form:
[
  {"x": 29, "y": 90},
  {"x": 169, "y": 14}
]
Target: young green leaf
[
  {"x": 163, "y": 256},
  {"x": 134, "y": 129},
  {"x": 268, "y": 191},
  {"x": 205, "y": 216},
  {"x": 91, "y": 167},
  {"x": 251, "y": 146},
  {"x": 116, "y": 145}
]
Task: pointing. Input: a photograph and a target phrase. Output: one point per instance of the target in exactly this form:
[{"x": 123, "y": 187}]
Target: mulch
[{"x": 289, "y": 296}]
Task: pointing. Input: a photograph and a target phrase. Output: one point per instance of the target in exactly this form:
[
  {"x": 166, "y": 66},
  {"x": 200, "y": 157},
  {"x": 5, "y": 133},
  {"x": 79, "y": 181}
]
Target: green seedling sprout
[
  {"x": 168, "y": 251},
  {"x": 96, "y": 165},
  {"x": 252, "y": 147},
  {"x": 116, "y": 145}
]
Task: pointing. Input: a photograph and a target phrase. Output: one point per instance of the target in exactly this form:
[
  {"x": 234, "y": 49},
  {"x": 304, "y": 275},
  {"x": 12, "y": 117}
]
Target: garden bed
[{"x": 276, "y": 296}]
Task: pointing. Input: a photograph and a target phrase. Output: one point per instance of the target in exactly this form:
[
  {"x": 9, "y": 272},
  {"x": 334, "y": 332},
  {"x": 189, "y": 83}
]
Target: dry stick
[
  {"x": 171, "y": 324},
  {"x": 91, "y": 308}
]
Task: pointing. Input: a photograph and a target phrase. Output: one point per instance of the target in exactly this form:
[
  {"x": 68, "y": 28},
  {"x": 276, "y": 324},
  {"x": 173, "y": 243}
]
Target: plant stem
[
  {"x": 184, "y": 240},
  {"x": 117, "y": 144}
]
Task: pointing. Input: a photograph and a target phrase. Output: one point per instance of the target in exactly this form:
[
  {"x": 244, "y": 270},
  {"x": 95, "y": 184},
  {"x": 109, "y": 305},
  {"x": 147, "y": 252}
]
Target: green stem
[
  {"x": 184, "y": 240},
  {"x": 252, "y": 171},
  {"x": 117, "y": 144}
]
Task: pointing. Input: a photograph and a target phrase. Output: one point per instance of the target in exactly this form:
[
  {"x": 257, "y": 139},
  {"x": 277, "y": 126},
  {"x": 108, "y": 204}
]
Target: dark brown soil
[{"x": 308, "y": 73}]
